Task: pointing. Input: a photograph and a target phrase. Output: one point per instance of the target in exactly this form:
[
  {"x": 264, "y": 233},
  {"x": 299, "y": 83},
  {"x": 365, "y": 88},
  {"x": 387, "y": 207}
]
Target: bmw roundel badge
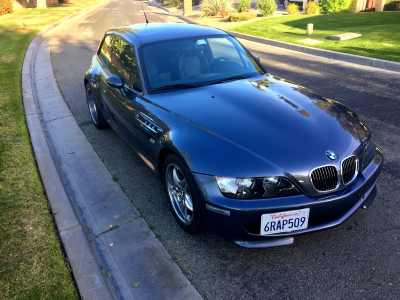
[{"x": 332, "y": 155}]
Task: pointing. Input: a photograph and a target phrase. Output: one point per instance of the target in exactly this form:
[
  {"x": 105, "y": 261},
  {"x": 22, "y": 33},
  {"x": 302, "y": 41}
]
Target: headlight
[
  {"x": 252, "y": 188},
  {"x": 369, "y": 151}
]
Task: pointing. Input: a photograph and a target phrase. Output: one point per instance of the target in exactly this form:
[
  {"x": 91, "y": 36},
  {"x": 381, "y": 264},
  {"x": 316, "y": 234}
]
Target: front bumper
[{"x": 239, "y": 220}]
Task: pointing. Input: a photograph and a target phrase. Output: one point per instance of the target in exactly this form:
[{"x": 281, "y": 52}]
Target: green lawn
[
  {"x": 32, "y": 262},
  {"x": 380, "y": 32}
]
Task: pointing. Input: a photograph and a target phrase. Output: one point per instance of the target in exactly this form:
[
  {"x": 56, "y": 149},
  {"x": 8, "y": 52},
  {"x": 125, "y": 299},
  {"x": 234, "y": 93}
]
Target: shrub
[
  {"x": 196, "y": 2},
  {"x": 176, "y": 3},
  {"x": 313, "y": 8},
  {"x": 6, "y": 7},
  {"x": 292, "y": 9},
  {"x": 244, "y": 16},
  {"x": 243, "y": 5},
  {"x": 392, "y": 6},
  {"x": 215, "y": 7},
  {"x": 334, "y": 6},
  {"x": 267, "y": 7}
]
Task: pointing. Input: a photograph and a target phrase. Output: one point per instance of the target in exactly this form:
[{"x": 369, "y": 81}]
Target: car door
[{"x": 122, "y": 102}]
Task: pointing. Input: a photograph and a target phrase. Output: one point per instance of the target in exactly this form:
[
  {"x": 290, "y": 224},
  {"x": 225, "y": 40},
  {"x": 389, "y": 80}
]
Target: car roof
[{"x": 153, "y": 32}]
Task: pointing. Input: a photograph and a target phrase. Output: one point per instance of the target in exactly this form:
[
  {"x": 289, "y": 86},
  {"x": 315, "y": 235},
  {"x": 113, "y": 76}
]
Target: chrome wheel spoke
[
  {"x": 92, "y": 107},
  {"x": 183, "y": 185},
  {"x": 188, "y": 203},
  {"x": 181, "y": 205},
  {"x": 176, "y": 178}
]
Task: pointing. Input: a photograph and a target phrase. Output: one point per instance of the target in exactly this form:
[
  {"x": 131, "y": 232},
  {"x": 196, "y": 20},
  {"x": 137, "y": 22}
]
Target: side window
[
  {"x": 135, "y": 81},
  {"x": 222, "y": 47},
  {"x": 105, "y": 51},
  {"x": 121, "y": 59}
]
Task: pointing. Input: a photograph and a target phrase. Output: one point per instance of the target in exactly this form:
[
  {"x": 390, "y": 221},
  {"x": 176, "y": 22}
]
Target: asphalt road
[{"x": 358, "y": 260}]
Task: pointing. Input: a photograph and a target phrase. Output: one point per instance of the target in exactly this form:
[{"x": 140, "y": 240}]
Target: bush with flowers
[
  {"x": 243, "y": 5},
  {"x": 6, "y": 7}
]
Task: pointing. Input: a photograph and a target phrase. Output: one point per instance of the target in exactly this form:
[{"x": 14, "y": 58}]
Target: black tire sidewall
[
  {"x": 101, "y": 121},
  {"x": 198, "y": 224}
]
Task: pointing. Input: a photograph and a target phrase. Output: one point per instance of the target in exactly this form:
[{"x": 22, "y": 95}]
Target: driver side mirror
[
  {"x": 256, "y": 57},
  {"x": 115, "y": 82}
]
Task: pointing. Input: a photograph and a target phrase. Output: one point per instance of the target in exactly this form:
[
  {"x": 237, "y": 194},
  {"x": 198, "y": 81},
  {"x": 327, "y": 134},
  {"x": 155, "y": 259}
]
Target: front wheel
[
  {"x": 95, "y": 113},
  {"x": 182, "y": 195}
]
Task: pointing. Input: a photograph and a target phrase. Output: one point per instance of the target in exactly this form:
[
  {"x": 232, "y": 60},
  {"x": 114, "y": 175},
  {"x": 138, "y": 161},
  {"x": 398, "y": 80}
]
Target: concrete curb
[
  {"x": 90, "y": 281},
  {"x": 356, "y": 59},
  {"x": 85, "y": 200}
]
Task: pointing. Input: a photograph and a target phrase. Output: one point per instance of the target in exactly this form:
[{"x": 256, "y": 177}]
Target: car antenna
[{"x": 147, "y": 21}]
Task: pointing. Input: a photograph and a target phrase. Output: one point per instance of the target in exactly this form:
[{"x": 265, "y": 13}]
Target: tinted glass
[
  {"x": 121, "y": 58},
  {"x": 135, "y": 78},
  {"x": 105, "y": 51},
  {"x": 196, "y": 61},
  {"x": 224, "y": 48}
]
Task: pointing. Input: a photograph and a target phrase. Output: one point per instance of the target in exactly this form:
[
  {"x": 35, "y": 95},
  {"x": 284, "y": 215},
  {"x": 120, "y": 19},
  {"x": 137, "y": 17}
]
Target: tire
[
  {"x": 94, "y": 110},
  {"x": 183, "y": 196}
]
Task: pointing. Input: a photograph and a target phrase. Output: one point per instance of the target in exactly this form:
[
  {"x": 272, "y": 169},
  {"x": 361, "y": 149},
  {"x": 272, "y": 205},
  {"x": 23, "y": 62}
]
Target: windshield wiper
[
  {"x": 181, "y": 86},
  {"x": 229, "y": 79}
]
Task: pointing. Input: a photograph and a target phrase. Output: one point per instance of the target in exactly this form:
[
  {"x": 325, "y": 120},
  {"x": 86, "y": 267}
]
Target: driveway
[{"x": 358, "y": 260}]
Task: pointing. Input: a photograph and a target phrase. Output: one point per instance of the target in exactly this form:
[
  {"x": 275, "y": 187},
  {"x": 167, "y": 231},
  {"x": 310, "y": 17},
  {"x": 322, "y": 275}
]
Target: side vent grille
[
  {"x": 349, "y": 169},
  {"x": 148, "y": 123},
  {"x": 325, "y": 178}
]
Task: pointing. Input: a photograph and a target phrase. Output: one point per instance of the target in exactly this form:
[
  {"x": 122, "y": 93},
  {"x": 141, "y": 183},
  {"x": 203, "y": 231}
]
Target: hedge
[
  {"x": 335, "y": 6},
  {"x": 245, "y": 16},
  {"x": 392, "y": 6}
]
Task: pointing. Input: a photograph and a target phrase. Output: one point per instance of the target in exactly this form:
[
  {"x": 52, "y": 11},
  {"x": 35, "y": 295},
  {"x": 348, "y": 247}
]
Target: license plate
[{"x": 286, "y": 221}]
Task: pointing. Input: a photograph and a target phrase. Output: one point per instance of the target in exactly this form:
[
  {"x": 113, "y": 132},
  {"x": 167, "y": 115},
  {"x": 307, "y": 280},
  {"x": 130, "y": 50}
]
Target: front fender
[{"x": 93, "y": 78}]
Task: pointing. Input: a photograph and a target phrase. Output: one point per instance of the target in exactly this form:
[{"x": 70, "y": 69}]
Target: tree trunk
[{"x": 41, "y": 4}]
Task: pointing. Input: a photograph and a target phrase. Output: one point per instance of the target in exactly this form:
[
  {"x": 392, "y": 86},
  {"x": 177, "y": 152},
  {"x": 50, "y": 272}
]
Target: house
[{"x": 366, "y": 5}]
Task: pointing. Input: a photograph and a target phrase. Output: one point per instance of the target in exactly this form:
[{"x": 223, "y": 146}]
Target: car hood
[{"x": 281, "y": 123}]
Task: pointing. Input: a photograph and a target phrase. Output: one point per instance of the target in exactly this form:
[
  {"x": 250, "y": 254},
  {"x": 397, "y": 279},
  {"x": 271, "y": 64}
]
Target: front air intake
[
  {"x": 325, "y": 178},
  {"x": 349, "y": 169}
]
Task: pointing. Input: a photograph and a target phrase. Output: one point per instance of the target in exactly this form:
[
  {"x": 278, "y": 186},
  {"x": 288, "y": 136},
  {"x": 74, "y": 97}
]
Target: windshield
[{"x": 188, "y": 63}]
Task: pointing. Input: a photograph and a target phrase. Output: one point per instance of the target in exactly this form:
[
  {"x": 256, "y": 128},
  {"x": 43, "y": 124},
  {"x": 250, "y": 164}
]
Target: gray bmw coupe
[{"x": 254, "y": 157}]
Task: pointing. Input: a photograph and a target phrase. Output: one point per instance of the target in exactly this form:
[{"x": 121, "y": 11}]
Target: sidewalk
[{"x": 94, "y": 217}]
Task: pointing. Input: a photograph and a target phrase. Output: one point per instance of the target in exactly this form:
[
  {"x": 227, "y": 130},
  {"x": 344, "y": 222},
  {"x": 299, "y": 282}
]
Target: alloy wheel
[
  {"x": 179, "y": 194},
  {"x": 92, "y": 105}
]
